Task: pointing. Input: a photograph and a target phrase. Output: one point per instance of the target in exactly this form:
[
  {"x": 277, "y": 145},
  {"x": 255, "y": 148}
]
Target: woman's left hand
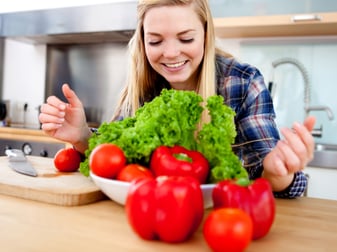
[{"x": 290, "y": 154}]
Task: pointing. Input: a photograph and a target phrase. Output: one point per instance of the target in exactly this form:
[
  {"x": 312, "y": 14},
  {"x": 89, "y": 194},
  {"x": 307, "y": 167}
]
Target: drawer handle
[{"x": 308, "y": 17}]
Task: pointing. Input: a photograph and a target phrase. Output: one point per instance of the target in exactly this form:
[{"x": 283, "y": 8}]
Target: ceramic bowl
[{"x": 117, "y": 190}]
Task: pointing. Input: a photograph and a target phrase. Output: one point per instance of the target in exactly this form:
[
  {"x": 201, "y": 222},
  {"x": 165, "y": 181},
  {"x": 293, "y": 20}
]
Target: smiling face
[{"x": 174, "y": 44}]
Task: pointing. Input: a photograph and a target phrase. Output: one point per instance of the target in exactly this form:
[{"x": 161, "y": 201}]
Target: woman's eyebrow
[
  {"x": 153, "y": 34},
  {"x": 186, "y": 31},
  {"x": 179, "y": 33}
]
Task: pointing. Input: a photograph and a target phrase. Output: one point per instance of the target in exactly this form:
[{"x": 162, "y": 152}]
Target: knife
[{"x": 19, "y": 163}]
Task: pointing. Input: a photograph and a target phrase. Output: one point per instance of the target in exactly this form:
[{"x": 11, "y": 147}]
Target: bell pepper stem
[
  {"x": 182, "y": 157},
  {"x": 243, "y": 181}
]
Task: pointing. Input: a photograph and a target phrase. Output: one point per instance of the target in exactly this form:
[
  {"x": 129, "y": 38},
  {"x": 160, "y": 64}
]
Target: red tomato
[
  {"x": 133, "y": 171},
  {"x": 228, "y": 230},
  {"x": 67, "y": 160},
  {"x": 107, "y": 160}
]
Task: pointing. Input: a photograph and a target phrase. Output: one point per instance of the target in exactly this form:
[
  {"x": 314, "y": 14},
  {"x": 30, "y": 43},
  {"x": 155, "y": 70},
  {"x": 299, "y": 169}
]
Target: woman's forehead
[{"x": 171, "y": 15}]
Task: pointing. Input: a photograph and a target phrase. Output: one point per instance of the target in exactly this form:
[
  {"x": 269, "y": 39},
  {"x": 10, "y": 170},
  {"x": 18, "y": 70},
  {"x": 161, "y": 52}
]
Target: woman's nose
[{"x": 171, "y": 49}]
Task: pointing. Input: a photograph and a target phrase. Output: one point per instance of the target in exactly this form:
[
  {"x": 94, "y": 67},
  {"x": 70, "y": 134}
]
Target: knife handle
[{"x": 15, "y": 155}]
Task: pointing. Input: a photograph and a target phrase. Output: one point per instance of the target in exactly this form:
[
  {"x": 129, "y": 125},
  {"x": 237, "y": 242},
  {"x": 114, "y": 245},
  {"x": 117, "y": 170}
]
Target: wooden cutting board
[{"x": 50, "y": 186}]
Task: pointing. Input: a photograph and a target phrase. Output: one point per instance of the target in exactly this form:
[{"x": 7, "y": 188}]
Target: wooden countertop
[
  {"x": 303, "y": 224},
  {"x": 21, "y": 131},
  {"x": 25, "y": 134}
]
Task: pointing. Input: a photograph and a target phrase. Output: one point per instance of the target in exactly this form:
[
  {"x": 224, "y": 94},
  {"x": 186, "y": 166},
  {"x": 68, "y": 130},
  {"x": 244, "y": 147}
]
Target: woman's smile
[{"x": 175, "y": 65}]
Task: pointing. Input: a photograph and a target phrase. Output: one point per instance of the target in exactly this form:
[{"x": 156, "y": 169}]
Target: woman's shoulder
[
  {"x": 236, "y": 80},
  {"x": 227, "y": 66}
]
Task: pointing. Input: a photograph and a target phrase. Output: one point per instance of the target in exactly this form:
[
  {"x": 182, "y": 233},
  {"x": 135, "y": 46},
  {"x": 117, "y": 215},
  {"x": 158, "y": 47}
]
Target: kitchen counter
[
  {"x": 26, "y": 134},
  {"x": 303, "y": 224}
]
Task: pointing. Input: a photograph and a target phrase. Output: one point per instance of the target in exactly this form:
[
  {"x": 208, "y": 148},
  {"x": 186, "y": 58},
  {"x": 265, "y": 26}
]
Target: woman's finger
[
  {"x": 309, "y": 123},
  {"x": 307, "y": 140},
  {"x": 50, "y": 118},
  {"x": 71, "y": 96},
  {"x": 292, "y": 160}
]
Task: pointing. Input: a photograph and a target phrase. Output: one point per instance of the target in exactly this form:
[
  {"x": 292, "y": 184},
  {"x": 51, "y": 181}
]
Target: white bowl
[{"x": 118, "y": 190}]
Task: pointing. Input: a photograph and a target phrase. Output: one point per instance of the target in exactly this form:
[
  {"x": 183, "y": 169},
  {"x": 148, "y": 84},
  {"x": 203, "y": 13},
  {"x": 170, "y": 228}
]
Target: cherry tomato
[
  {"x": 228, "y": 230},
  {"x": 133, "y": 171},
  {"x": 107, "y": 160},
  {"x": 67, "y": 160}
]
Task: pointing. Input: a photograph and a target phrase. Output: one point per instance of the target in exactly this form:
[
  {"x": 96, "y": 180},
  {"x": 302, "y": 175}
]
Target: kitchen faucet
[
  {"x": 304, "y": 73},
  {"x": 307, "y": 107},
  {"x": 318, "y": 132},
  {"x": 321, "y": 108}
]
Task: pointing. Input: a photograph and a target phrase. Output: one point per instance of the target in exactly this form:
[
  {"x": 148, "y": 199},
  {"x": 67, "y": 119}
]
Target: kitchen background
[
  {"x": 33, "y": 68},
  {"x": 31, "y": 72}
]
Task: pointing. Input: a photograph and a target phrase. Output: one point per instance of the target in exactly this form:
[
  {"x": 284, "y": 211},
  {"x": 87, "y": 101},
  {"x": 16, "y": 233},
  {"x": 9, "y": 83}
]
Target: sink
[{"x": 325, "y": 155}]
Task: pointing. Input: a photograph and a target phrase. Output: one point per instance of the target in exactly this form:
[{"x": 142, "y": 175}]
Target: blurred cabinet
[
  {"x": 322, "y": 183},
  {"x": 2, "y": 46},
  {"x": 265, "y": 18}
]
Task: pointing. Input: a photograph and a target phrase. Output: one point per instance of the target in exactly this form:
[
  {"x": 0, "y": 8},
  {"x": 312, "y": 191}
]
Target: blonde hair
[{"x": 141, "y": 79}]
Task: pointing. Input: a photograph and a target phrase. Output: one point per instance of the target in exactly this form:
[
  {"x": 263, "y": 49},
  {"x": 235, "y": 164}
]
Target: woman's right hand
[{"x": 66, "y": 121}]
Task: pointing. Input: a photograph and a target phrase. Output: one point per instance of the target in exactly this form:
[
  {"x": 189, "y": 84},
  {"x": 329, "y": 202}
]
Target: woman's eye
[
  {"x": 153, "y": 43},
  {"x": 186, "y": 41}
]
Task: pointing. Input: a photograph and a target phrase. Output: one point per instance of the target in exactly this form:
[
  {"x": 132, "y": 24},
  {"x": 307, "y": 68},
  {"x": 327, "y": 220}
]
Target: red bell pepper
[
  {"x": 178, "y": 161},
  {"x": 254, "y": 197},
  {"x": 166, "y": 208}
]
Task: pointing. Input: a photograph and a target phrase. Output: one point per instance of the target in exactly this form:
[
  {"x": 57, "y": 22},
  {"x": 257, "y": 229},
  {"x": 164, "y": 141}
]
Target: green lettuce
[
  {"x": 215, "y": 139},
  {"x": 171, "y": 119}
]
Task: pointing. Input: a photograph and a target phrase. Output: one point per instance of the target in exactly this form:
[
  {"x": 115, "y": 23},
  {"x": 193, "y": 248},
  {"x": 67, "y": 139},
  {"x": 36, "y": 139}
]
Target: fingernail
[{"x": 297, "y": 125}]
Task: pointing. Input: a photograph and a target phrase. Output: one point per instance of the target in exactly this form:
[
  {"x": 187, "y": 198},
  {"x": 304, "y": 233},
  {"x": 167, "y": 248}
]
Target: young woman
[{"x": 174, "y": 47}]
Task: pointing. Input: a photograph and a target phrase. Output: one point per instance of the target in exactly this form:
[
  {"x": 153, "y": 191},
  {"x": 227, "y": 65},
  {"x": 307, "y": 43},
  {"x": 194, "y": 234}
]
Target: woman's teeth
[{"x": 175, "y": 65}]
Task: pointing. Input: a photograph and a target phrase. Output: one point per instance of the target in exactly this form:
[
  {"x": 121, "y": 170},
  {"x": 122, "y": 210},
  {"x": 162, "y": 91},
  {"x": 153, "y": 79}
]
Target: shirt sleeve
[{"x": 295, "y": 189}]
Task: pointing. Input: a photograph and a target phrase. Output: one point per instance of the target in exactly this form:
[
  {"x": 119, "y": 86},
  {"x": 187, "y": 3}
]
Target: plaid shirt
[{"x": 244, "y": 90}]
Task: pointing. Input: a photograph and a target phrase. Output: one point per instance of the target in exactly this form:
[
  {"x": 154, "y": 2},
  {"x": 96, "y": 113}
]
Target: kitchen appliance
[
  {"x": 96, "y": 72},
  {"x": 4, "y": 113},
  {"x": 33, "y": 148},
  {"x": 99, "y": 23},
  {"x": 19, "y": 163},
  {"x": 2, "y": 46}
]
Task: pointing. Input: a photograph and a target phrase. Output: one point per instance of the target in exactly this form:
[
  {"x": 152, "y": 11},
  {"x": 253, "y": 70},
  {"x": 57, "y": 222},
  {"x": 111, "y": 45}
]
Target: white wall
[{"x": 24, "y": 80}]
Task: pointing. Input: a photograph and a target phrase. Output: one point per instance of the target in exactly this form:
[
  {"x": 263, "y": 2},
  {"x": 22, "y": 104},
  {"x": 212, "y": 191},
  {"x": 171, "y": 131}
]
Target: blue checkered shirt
[{"x": 244, "y": 90}]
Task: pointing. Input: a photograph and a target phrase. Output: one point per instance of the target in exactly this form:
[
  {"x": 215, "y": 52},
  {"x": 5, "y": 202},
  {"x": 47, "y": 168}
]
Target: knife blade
[{"x": 19, "y": 163}]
